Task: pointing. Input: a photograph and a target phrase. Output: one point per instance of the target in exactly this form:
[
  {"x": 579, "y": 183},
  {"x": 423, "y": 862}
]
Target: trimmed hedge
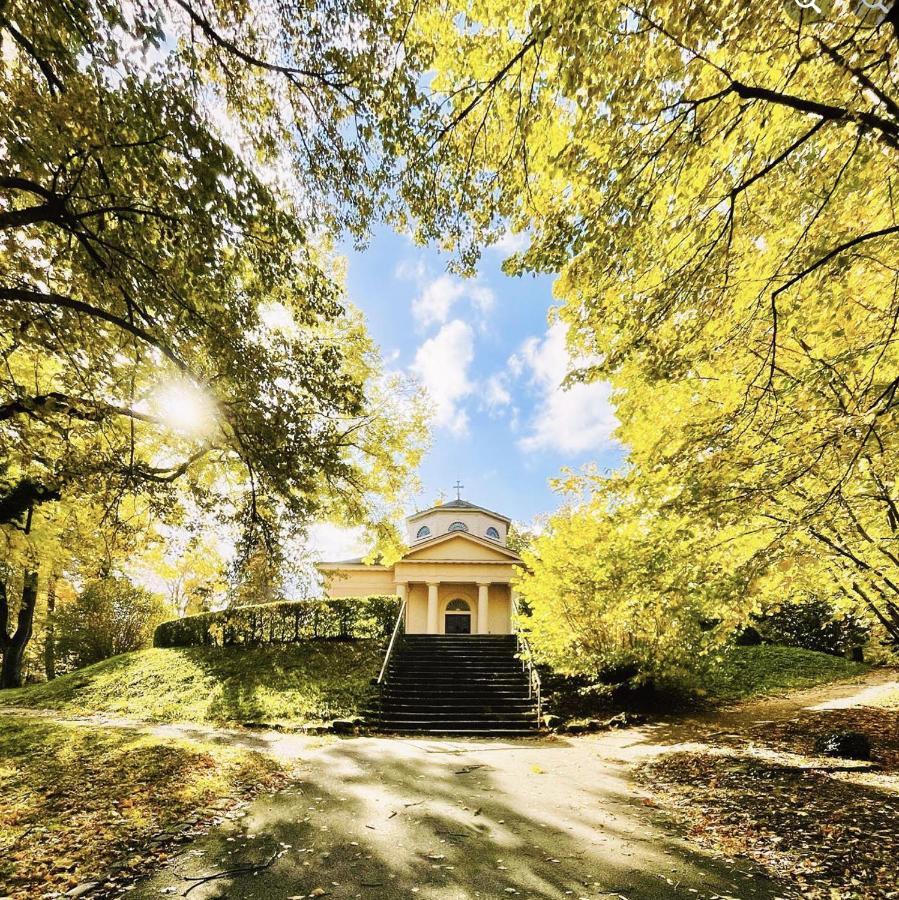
[{"x": 282, "y": 623}]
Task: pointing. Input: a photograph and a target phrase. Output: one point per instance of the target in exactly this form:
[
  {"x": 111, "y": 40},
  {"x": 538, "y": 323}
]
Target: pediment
[{"x": 461, "y": 547}]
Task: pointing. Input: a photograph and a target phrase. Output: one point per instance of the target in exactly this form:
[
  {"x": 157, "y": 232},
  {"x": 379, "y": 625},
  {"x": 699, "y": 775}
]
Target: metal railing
[
  {"x": 397, "y": 628},
  {"x": 526, "y": 656}
]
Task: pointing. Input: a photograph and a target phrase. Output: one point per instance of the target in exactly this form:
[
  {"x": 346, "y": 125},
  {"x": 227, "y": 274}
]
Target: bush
[
  {"x": 813, "y": 625},
  {"x": 110, "y": 616},
  {"x": 282, "y": 623}
]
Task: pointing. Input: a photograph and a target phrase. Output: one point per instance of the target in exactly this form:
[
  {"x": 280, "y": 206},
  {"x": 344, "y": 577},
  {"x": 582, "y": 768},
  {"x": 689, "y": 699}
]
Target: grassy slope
[
  {"x": 758, "y": 671},
  {"x": 83, "y": 803},
  {"x": 311, "y": 682}
]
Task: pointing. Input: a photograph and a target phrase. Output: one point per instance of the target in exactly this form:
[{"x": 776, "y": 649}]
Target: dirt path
[
  {"x": 387, "y": 817},
  {"x": 379, "y": 817}
]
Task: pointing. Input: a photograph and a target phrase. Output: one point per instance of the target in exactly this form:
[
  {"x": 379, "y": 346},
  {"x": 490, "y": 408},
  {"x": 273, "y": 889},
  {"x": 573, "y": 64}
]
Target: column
[
  {"x": 483, "y": 607},
  {"x": 401, "y": 589},
  {"x": 432, "y": 607}
]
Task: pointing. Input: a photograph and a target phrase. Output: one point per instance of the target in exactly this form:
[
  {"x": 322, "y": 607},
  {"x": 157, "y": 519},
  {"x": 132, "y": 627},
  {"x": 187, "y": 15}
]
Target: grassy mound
[
  {"x": 294, "y": 684},
  {"x": 746, "y": 672}
]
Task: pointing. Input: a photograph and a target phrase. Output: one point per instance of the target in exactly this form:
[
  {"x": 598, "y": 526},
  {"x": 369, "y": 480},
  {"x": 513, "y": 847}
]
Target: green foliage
[
  {"x": 744, "y": 672},
  {"x": 175, "y": 335},
  {"x": 614, "y": 584},
  {"x": 310, "y": 682},
  {"x": 77, "y": 801},
  {"x": 279, "y": 623},
  {"x": 171, "y": 318},
  {"x": 110, "y": 616},
  {"x": 813, "y": 625},
  {"x": 714, "y": 186}
]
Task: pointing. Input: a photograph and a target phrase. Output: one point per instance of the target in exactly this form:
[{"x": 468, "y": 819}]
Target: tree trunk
[
  {"x": 14, "y": 645},
  {"x": 50, "y": 631}
]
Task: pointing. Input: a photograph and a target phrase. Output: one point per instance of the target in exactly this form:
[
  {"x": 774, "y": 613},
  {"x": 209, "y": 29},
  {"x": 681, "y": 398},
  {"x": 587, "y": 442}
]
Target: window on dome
[
  {"x": 458, "y": 526},
  {"x": 493, "y": 533},
  {"x": 423, "y": 532}
]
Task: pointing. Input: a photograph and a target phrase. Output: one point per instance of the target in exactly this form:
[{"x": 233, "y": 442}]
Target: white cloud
[
  {"x": 482, "y": 297},
  {"x": 441, "y": 363},
  {"x": 495, "y": 395},
  {"x": 572, "y": 420},
  {"x": 434, "y": 303},
  {"x": 411, "y": 270},
  {"x": 437, "y": 298},
  {"x": 512, "y": 242}
]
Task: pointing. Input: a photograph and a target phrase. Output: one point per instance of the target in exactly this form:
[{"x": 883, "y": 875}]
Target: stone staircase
[{"x": 455, "y": 684}]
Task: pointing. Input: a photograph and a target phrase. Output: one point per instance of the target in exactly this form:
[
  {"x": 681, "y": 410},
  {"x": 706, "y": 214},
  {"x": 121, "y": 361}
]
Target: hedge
[{"x": 282, "y": 623}]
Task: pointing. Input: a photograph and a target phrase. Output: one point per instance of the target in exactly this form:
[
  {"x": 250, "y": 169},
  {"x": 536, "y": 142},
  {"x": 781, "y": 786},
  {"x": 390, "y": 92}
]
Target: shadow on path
[{"x": 385, "y": 818}]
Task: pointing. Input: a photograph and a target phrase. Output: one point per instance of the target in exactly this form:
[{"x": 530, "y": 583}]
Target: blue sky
[{"x": 491, "y": 364}]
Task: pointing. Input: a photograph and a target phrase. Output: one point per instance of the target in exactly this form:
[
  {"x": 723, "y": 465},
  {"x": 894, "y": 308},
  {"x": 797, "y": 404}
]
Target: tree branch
[
  {"x": 55, "y": 402},
  {"x": 841, "y": 248},
  {"x": 887, "y": 129},
  {"x": 61, "y": 301}
]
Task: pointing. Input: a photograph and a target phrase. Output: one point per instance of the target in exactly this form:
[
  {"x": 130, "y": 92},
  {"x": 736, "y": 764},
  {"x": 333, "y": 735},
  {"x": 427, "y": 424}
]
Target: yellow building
[{"x": 456, "y": 576}]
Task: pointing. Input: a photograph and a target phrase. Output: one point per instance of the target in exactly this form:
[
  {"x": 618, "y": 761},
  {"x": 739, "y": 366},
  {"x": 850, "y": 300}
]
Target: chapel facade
[{"x": 456, "y": 577}]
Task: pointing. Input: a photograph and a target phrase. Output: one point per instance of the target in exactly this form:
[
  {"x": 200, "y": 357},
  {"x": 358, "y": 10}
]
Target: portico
[{"x": 456, "y": 577}]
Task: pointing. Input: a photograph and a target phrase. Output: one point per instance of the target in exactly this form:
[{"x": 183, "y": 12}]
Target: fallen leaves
[
  {"x": 82, "y": 803},
  {"x": 800, "y": 817}
]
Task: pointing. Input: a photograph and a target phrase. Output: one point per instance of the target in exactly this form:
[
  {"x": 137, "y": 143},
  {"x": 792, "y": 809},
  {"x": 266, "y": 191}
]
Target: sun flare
[{"x": 186, "y": 408}]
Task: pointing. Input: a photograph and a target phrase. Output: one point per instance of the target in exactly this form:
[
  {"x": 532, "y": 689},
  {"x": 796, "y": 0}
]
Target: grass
[
  {"x": 291, "y": 685},
  {"x": 746, "y": 672},
  {"x": 82, "y": 804}
]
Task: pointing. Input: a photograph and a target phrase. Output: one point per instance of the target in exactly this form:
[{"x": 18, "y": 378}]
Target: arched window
[
  {"x": 458, "y": 526},
  {"x": 493, "y": 533},
  {"x": 458, "y": 606},
  {"x": 423, "y": 532}
]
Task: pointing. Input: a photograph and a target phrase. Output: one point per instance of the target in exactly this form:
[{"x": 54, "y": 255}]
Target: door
[{"x": 458, "y": 623}]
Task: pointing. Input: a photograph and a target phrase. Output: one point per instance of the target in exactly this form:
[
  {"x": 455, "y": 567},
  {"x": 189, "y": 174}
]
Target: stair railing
[
  {"x": 399, "y": 626},
  {"x": 526, "y": 655}
]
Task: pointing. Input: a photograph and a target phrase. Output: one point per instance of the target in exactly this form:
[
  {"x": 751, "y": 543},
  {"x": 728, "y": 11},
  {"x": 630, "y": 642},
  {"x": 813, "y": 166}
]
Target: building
[{"x": 456, "y": 576}]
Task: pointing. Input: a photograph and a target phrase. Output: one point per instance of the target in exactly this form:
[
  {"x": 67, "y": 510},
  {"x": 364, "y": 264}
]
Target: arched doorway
[{"x": 457, "y": 617}]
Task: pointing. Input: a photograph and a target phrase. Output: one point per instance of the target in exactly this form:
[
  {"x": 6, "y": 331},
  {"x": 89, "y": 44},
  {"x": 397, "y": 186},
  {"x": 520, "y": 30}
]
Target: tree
[
  {"x": 621, "y": 583},
  {"x": 13, "y": 640},
  {"x": 715, "y": 186},
  {"x": 188, "y": 568},
  {"x": 152, "y": 282},
  {"x": 110, "y": 616},
  {"x": 171, "y": 319}
]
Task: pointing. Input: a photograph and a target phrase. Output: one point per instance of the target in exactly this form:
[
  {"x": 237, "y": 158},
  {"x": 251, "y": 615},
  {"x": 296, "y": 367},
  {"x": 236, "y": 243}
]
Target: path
[
  {"x": 384, "y": 817},
  {"x": 378, "y": 817}
]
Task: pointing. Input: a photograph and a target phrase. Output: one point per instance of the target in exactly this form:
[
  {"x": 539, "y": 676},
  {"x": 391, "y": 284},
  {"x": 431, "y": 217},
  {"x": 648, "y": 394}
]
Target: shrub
[
  {"x": 282, "y": 623},
  {"x": 110, "y": 616},
  {"x": 813, "y": 625}
]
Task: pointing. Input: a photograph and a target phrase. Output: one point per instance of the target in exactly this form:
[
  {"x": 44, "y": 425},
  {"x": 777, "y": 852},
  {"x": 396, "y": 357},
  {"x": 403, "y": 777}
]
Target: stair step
[
  {"x": 458, "y": 658},
  {"x": 457, "y": 729},
  {"x": 467, "y": 732},
  {"x": 454, "y": 692},
  {"x": 470, "y": 675},
  {"x": 460, "y": 703},
  {"x": 455, "y": 684},
  {"x": 459, "y": 721}
]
